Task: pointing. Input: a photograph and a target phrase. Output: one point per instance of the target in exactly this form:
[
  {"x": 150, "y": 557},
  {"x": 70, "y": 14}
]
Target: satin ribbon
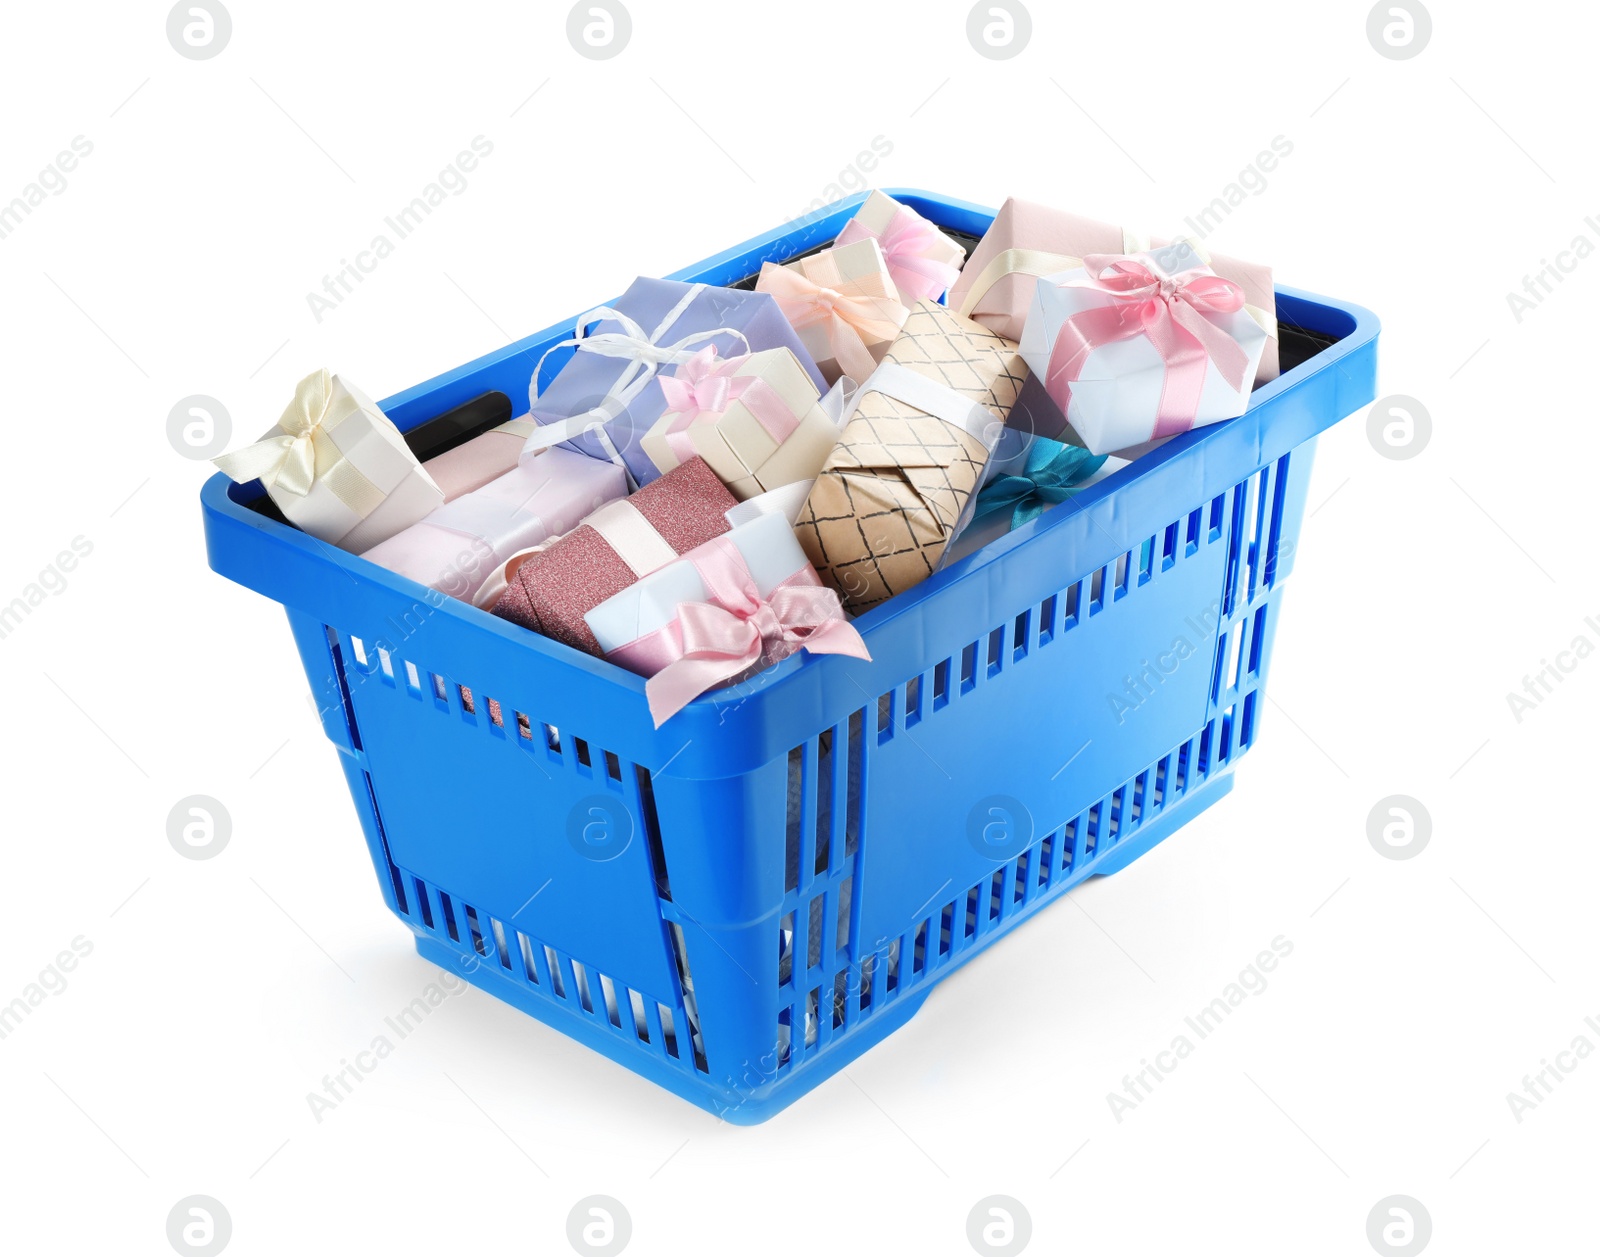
[
  {"x": 714, "y": 642},
  {"x": 702, "y": 390},
  {"x": 938, "y": 400},
  {"x": 1052, "y": 473},
  {"x": 301, "y": 451},
  {"x": 851, "y": 322},
  {"x": 643, "y": 356},
  {"x": 523, "y": 426},
  {"x": 1037, "y": 263},
  {"x": 908, "y": 241},
  {"x": 1171, "y": 311}
]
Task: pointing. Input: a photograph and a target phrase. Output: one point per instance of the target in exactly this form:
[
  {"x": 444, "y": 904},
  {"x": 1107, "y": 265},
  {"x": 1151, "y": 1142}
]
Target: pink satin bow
[
  {"x": 909, "y": 243},
  {"x": 702, "y": 390},
  {"x": 851, "y": 321},
  {"x": 1171, "y": 312},
  {"x": 714, "y": 642}
]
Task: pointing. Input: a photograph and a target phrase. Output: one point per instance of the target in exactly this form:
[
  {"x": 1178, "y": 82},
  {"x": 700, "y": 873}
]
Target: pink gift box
[
  {"x": 457, "y": 547},
  {"x": 474, "y": 463},
  {"x": 1028, "y": 241}
]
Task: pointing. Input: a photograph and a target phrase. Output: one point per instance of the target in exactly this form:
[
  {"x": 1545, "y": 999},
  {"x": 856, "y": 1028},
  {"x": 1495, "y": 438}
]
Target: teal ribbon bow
[{"x": 1052, "y": 474}]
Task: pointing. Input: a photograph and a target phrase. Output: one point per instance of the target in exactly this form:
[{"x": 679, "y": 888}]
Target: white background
[{"x": 218, "y": 993}]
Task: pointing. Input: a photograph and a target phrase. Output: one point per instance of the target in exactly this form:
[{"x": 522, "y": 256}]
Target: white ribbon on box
[
  {"x": 644, "y": 358},
  {"x": 337, "y": 467}
]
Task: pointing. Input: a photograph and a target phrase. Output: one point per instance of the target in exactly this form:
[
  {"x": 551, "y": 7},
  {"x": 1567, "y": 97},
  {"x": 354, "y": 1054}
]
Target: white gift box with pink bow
[
  {"x": 1139, "y": 346},
  {"x": 724, "y": 611}
]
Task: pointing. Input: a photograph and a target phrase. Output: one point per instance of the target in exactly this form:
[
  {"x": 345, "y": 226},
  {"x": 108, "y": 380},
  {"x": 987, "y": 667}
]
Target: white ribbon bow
[{"x": 644, "y": 356}]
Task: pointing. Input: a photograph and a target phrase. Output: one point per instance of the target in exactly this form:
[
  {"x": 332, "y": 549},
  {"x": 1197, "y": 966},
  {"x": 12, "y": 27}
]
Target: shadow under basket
[{"x": 740, "y": 903}]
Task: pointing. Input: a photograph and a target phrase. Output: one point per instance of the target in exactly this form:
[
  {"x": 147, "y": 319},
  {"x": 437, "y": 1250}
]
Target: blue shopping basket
[{"x": 740, "y": 903}]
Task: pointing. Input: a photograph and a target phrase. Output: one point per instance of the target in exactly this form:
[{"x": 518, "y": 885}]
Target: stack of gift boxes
[{"x": 714, "y": 479}]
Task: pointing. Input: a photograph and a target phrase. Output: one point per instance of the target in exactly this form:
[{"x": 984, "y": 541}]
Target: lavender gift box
[{"x": 669, "y": 315}]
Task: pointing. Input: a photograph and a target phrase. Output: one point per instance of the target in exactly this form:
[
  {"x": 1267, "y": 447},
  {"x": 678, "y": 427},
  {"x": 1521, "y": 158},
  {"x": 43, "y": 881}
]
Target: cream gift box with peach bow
[
  {"x": 337, "y": 467},
  {"x": 843, "y": 304}
]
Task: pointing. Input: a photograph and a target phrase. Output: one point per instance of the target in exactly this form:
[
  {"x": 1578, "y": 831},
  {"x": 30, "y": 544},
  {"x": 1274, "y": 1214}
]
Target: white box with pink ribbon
[{"x": 1135, "y": 347}]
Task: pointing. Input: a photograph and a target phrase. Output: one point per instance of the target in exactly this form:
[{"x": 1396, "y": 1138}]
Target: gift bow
[
  {"x": 908, "y": 242},
  {"x": 739, "y": 629},
  {"x": 304, "y": 452},
  {"x": 1172, "y": 311},
  {"x": 643, "y": 354},
  {"x": 704, "y": 387},
  {"x": 1052, "y": 474},
  {"x": 851, "y": 320}
]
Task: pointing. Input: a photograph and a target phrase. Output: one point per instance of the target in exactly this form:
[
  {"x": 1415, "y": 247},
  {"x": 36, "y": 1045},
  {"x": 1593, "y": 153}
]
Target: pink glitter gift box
[{"x": 623, "y": 541}]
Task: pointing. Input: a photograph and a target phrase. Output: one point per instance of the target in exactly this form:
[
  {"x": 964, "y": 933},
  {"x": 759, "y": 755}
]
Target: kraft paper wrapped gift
[
  {"x": 337, "y": 467},
  {"x": 624, "y": 540},
  {"x": 728, "y": 609},
  {"x": 843, "y": 303},
  {"x": 897, "y": 486},
  {"x": 922, "y": 260},
  {"x": 458, "y": 546},
  {"x": 599, "y": 403},
  {"x": 756, "y": 419},
  {"x": 1138, "y": 347},
  {"x": 1027, "y": 241}
]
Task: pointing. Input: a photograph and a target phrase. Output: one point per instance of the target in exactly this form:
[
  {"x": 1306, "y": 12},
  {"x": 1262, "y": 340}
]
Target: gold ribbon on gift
[
  {"x": 1038, "y": 263},
  {"x": 302, "y": 450}
]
